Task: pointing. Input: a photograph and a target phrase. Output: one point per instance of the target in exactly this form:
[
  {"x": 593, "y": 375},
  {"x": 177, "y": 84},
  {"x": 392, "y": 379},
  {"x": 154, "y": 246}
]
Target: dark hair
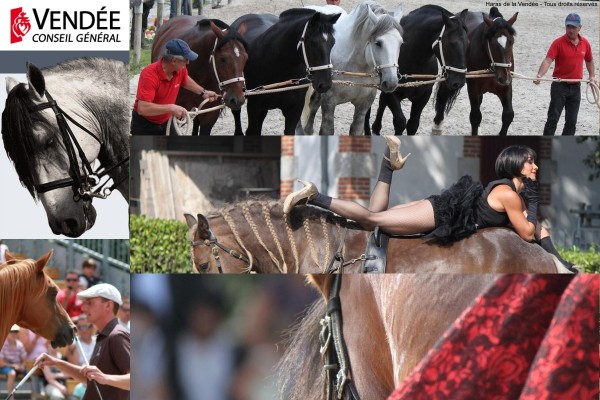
[{"x": 511, "y": 160}]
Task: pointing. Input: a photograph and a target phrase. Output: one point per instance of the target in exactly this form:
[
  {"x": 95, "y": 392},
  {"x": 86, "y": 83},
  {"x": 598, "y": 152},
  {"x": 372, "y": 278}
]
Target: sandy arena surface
[{"x": 537, "y": 26}]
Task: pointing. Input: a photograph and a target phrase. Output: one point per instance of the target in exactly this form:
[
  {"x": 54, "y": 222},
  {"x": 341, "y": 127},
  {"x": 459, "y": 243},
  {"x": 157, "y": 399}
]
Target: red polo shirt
[
  {"x": 155, "y": 87},
  {"x": 568, "y": 58}
]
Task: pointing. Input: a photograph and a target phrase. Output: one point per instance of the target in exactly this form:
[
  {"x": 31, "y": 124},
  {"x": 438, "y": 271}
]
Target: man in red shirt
[
  {"x": 158, "y": 87},
  {"x": 569, "y": 51},
  {"x": 67, "y": 297}
]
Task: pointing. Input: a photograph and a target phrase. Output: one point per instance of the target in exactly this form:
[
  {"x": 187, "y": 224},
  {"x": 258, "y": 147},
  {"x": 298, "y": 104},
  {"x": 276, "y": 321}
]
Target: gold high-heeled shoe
[
  {"x": 308, "y": 191},
  {"x": 396, "y": 160}
]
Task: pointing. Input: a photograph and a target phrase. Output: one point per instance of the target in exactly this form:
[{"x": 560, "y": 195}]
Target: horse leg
[
  {"x": 327, "y": 110},
  {"x": 313, "y": 106},
  {"x": 366, "y": 128},
  {"x": 256, "y": 117},
  {"x": 441, "y": 99},
  {"x": 238, "y": 122},
  {"x": 398, "y": 118},
  {"x": 196, "y": 126},
  {"x": 475, "y": 115},
  {"x": 508, "y": 113},
  {"x": 383, "y": 103},
  {"x": 292, "y": 117},
  {"x": 358, "y": 122},
  {"x": 418, "y": 104},
  {"x": 207, "y": 123}
]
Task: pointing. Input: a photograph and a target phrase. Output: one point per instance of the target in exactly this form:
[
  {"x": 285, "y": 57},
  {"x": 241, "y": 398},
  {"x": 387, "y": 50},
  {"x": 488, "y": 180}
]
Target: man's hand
[
  {"x": 209, "y": 94},
  {"x": 45, "y": 360},
  {"x": 92, "y": 373},
  {"x": 178, "y": 111}
]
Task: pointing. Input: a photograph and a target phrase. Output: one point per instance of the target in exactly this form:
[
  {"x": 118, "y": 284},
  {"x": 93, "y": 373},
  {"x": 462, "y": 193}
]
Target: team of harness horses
[{"x": 290, "y": 62}]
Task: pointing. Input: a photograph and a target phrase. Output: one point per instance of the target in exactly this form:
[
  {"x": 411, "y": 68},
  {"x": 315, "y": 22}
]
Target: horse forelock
[
  {"x": 499, "y": 24},
  {"x": 385, "y": 22},
  {"x": 232, "y": 35},
  {"x": 18, "y": 119},
  {"x": 299, "y": 373}
]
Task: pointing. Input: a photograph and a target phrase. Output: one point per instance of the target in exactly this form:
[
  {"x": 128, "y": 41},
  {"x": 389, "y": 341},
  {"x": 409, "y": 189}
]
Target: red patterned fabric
[{"x": 529, "y": 337}]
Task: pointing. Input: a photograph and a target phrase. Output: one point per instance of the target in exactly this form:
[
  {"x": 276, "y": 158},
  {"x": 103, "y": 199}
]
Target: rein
[
  {"x": 214, "y": 245},
  {"x": 338, "y": 379},
  {"x": 86, "y": 182}
]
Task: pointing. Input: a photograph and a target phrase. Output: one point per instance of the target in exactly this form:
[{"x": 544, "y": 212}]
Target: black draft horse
[
  {"x": 491, "y": 40},
  {"x": 295, "y": 46},
  {"x": 431, "y": 34}
]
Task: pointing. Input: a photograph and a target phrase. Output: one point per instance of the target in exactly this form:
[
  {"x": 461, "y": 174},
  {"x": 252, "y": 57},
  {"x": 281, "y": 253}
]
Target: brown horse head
[
  {"x": 28, "y": 298},
  {"x": 499, "y": 35}
]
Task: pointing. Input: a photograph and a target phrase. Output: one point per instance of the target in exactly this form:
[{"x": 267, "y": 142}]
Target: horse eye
[
  {"x": 203, "y": 267},
  {"x": 50, "y": 143},
  {"x": 223, "y": 60},
  {"x": 378, "y": 43}
]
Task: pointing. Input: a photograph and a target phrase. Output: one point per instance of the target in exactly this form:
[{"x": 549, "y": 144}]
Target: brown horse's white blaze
[{"x": 28, "y": 298}]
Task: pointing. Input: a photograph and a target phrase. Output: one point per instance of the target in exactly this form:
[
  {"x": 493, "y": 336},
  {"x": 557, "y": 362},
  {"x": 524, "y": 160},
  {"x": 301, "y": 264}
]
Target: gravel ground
[{"x": 537, "y": 25}]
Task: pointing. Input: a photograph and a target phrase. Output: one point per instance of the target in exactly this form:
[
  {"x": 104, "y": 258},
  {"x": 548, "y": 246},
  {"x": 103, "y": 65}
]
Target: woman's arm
[{"x": 515, "y": 207}]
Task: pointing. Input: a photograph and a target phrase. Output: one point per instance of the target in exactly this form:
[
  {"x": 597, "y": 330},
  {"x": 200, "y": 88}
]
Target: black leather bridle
[
  {"x": 85, "y": 181},
  {"x": 338, "y": 375},
  {"x": 214, "y": 245}
]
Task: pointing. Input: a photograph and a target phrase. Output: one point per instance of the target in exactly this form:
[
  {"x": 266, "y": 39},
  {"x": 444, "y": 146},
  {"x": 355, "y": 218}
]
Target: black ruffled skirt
[{"x": 455, "y": 211}]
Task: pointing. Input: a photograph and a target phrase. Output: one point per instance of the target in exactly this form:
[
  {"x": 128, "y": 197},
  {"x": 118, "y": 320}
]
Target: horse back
[{"x": 490, "y": 250}]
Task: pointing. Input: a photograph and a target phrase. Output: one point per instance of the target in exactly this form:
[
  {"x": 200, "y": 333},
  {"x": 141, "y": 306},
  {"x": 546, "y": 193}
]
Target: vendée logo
[{"x": 19, "y": 25}]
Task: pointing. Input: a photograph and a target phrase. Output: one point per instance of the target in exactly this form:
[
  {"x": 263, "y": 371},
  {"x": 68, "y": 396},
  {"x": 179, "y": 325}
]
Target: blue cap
[
  {"x": 178, "y": 47},
  {"x": 573, "y": 19}
]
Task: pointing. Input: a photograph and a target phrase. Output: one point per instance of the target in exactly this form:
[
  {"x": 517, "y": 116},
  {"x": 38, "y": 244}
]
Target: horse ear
[
  {"x": 322, "y": 282},
  {"x": 7, "y": 256},
  {"x": 191, "y": 221},
  {"x": 512, "y": 19},
  {"x": 487, "y": 20},
  {"x": 398, "y": 13},
  {"x": 36, "y": 79},
  {"x": 10, "y": 83},
  {"x": 463, "y": 15},
  {"x": 203, "y": 224},
  {"x": 242, "y": 28},
  {"x": 216, "y": 30},
  {"x": 43, "y": 260},
  {"x": 334, "y": 17}
]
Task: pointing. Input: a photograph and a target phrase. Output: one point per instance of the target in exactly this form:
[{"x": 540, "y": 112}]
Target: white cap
[
  {"x": 15, "y": 328},
  {"x": 105, "y": 290}
]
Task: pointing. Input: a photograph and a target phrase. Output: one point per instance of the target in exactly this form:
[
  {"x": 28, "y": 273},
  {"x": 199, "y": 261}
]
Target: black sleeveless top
[{"x": 486, "y": 215}]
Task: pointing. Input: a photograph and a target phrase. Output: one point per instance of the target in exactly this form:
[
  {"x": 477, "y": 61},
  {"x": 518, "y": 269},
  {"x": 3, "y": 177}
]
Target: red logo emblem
[{"x": 19, "y": 25}]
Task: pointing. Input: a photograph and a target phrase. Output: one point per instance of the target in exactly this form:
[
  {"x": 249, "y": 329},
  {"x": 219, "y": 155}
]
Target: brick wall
[
  {"x": 287, "y": 150},
  {"x": 354, "y": 187}
]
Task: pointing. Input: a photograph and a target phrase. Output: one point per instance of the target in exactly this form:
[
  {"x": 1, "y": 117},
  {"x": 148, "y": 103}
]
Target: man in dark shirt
[{"x": 111, "y": 354}]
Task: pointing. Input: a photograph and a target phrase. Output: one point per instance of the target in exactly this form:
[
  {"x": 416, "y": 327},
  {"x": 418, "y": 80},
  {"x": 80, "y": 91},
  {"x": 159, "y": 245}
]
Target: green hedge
[
  {"x": 589, "y": 261},
  {"x": 158, "y": 246}
]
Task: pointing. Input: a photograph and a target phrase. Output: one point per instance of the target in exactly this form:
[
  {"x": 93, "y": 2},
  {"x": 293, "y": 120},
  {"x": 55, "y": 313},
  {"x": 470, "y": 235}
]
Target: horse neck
[
  {"x": 478, "y": 53},
  {"x": 276, "y": 243},
  {"x": 101, "y": 108},
  {"x": 284, "y": 38},
  {"x": 418, "y": 44}
]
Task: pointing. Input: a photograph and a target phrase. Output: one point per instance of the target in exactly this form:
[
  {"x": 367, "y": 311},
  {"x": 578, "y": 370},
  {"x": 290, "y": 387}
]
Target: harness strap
[
  {"x": 214, "y": 244},
  {"x": 376, "y": 67},
  {"x": 337, "y": 262},
  {"x": 301, "y": 44},
  {"x": 214, "y": 65},
  {"x": 438, "y": 42},
  {"x": 494, "y": 63}
]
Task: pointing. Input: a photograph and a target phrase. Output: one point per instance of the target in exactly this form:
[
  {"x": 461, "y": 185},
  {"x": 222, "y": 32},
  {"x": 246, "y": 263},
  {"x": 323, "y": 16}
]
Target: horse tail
[{"x": 306, "y": 109}]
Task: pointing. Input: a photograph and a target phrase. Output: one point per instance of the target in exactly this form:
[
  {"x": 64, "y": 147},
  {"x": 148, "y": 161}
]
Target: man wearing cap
[
  {"x": 111, "y": 353},
  {"x": 569, "y": 52},
  {"x": 158, "y": 87}
]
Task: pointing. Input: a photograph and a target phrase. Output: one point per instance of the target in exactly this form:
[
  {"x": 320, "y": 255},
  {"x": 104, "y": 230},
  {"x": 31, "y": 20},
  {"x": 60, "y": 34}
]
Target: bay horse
[
  {"x": 222, "y": 56},
  {"x": 367, "y": 41},
  {"x": 491, "y": 40},
  {"x": 56, "y": 126},
  {"x": 28, "y": 298},
  {"x": 255, "y": 236},
  {"x": 295, "y": 46},
  {"x": 431, "y": 34}
]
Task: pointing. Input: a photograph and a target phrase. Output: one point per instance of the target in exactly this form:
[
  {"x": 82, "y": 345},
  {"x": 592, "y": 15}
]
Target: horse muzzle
[
  {"x": 64, "y": 337},
  {"x": 234, "y": 102}
]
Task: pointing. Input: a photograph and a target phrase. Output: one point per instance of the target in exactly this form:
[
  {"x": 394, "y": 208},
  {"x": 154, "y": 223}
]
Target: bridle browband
[
  {"x": 228, "y": 81},
  {"x": 338, "y": 375},
  {"x": 310, "y": 69},
  {"x": 438, "y": 42},
  {"x": 214, "y": 245},
  {"x": 489, "y": 51},
  {"x": 86, "y": 182}
]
